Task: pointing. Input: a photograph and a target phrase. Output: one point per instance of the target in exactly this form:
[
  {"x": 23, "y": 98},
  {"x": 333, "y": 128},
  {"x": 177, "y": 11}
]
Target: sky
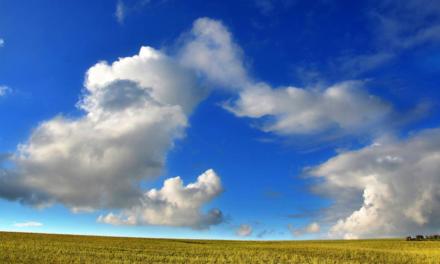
[{"x": 250, "y": 119}]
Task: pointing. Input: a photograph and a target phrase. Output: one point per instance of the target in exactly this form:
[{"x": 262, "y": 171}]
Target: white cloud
[
  {"x": 123, "y": 10},
  {"x": 4, "y": 90},
  {"x": 210, "y": 50},
  {"x": 345, "y": 108},
  {"x": 163, "y": 79},
  {"x": 2, "y": 42},
  {"x": 397, "y": 182},
  {"x": 120, "y": 11},
  {"x": 134, "y": 109},
  {"x": 311, "y": 228},
  {"x": 244, "y": 230},
  {"x": 174, "y": 205},
  {"x": 28, "y": 224}
]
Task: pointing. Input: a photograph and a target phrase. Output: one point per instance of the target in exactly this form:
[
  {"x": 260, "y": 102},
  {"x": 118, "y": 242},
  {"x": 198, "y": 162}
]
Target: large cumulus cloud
[
  {"x": 393, "y": 186},
  {"x": 134, "y": 109}
]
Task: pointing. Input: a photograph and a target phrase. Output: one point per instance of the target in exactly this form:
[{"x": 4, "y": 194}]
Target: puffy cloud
[
  {"x": 345, "y": 107},
  {"x": 244, "y": 230},
  {"x": 166, "y": 81},
  {"x": 134, "y": 109},
  {"x": 393, "y": 187},
  {"x": 311, "y": 228},
  {"x": 4, "y": 90},
  {"x": 174, "y": 204},
  {"x": 2, "y": 42},
  {"x": 28, "y": 224}
]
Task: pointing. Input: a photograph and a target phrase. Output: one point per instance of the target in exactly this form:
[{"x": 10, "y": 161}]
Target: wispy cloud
[
  {"x": 123, "y": 10},
  {"x": 4, "y": 90},
  {"x": 2, "y": 42},
  {"x": 28, "y": 224},
  {"x": 120, "y": 12},
  {"x": 396, "y": 27}
]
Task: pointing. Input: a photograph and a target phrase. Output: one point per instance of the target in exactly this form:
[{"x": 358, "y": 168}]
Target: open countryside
[{"x": 43, "y": 248}]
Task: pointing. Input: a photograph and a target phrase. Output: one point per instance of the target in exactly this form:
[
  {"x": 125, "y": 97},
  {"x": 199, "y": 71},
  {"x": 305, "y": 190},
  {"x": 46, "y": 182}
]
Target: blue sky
[{"x": 306, "y": 119}]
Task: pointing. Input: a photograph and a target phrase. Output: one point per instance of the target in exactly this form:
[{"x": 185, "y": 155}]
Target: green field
[{"x": 39, "y": 248}]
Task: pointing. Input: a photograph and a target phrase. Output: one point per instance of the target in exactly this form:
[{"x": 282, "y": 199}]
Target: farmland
[{"x": 43, "y": 248}]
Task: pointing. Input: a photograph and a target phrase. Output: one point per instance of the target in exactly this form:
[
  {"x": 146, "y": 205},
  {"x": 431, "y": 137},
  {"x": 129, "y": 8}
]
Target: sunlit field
[{"x": 42, "y": 248}]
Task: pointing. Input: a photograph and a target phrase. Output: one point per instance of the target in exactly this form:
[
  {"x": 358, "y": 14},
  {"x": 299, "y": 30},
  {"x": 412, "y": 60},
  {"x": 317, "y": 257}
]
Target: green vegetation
[{"x": 39, "y": 248}]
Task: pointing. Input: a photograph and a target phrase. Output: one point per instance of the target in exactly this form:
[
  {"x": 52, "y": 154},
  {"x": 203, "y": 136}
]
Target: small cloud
[
  {"x": 311, "y": 228},
  {"x": 28, "y": 224},
  {"x": 3, "y": 88},
  {"x": 123, "y": 10},
  {"x": 120, "y": 11},
  {"x": 244, "y": 231},
  {"x": 2, "y": 42}
]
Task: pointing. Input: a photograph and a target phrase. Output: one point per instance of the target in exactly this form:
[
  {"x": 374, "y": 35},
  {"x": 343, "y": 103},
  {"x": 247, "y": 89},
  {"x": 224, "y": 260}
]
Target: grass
[{"x": 44, "y": 248}]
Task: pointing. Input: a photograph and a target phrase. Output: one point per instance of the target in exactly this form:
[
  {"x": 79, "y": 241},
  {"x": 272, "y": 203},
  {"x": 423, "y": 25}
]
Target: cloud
[
  {"x": 396, "y": 27},
  {"x": 408, "y": 24},
  {"x": 244, "y": 230},
  {"x": 161, "y": 77},
  {"x": 123, "y": 10},
  {"x": 120, "y": 11},
  {"x": 358, "y": 64},
  {"x": 311, "y": 228},
  {"x": 4, "y": 90},
  {"x": 343, "y": 108},
  {"x": 134, "y": 110},
  {"x": 28, "y": 224},
  {"x": 210, "y": 41},
  {"x": 2, "y": 42},
  {"x": 174, "y": 205},
  {"x": 389, "y": 188}
]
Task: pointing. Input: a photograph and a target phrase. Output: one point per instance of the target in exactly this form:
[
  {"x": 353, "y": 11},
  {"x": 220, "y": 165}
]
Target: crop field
[{"x": 42, "y": 248}]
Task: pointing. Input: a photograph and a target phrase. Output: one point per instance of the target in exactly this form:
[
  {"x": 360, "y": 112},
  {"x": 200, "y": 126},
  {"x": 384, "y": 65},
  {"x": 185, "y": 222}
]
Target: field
[{"x": 39, "y": 248}]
